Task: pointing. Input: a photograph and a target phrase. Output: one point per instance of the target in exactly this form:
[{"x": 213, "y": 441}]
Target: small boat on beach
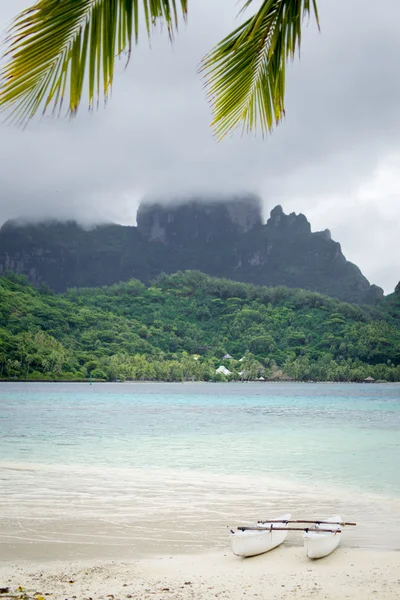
[
  {"x": 259, "y": 538},
  {"x": 323, "y": 537}
]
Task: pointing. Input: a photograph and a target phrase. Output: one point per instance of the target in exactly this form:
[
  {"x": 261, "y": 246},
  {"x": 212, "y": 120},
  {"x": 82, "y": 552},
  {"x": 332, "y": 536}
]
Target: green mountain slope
[{"x": 182, "y": 325}]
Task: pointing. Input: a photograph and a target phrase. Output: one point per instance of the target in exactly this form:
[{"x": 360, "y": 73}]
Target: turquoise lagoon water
[{"x": 125, "y": 454}]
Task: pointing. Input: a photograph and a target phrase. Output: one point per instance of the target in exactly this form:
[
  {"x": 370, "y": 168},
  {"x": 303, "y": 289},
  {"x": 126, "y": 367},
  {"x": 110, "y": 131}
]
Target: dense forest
[{"x": 182, "y": 326}]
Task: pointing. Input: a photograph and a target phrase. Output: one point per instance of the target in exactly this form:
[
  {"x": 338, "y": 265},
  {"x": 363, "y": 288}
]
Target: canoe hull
[
  {"x": 251, "y": 543},
  {"x": 319, "y": 543}
]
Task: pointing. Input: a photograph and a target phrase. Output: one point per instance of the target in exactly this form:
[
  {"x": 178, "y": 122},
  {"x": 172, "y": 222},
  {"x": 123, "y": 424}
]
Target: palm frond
[
  {"x": 55, "y": 46},
  {"x": 245, "y": 72}
]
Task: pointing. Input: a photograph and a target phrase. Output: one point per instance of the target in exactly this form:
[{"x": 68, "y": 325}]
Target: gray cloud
[{"x": 340, "y": 140}]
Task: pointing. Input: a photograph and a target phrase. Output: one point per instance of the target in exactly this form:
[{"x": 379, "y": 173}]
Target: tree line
[{"x": 181, "y": 326}]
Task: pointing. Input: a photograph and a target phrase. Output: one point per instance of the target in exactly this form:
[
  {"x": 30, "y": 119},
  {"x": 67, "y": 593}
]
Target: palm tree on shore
[{"x": 60, "y": 50}]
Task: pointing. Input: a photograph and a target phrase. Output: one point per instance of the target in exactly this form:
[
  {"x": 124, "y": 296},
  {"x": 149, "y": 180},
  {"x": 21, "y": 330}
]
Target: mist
[{"x": 335, "y": 158}]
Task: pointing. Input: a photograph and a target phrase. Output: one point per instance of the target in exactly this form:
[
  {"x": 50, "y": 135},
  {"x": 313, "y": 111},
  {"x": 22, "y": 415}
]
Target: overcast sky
[{"x": 336, "y": 157}]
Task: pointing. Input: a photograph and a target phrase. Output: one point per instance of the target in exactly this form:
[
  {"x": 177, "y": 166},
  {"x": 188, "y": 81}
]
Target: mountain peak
[
  {"x": 218, "y": 237},
  {"x": 181, "y": 222}
]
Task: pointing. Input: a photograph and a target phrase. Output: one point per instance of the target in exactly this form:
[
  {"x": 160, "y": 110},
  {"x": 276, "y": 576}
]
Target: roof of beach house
[{"x": 223, "y": 370}]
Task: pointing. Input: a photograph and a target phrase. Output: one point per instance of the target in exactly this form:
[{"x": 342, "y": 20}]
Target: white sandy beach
[{"x": 281, "y": 574}]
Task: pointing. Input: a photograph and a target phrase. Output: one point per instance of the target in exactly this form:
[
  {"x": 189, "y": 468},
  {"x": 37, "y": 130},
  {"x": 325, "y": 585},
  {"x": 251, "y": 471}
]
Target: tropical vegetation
[
  {"x": 60, "y": 48},
  {"x": 183, "y": 326}
]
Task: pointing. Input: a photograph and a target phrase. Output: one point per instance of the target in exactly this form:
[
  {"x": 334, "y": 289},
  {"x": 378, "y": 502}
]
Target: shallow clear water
[
  {"x": 349, "y": 435},
  {"x": 163, "y": 447}
]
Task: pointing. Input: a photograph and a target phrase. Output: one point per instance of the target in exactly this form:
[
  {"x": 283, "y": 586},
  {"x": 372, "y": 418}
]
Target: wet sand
[{"x": 127, "y": 514}]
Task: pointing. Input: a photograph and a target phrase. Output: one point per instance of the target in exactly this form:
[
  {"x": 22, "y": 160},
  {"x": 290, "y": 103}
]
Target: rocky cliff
[{"x": 225, "y": 239}]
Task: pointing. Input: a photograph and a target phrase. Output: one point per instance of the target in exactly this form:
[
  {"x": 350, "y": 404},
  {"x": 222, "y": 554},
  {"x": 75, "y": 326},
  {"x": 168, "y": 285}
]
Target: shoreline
[
  {"x": 190, "y": 382},
  {"x": 281, "y": 574},
  {"x": 114, "y": 512},
  {"x": 107, "y": 520}
]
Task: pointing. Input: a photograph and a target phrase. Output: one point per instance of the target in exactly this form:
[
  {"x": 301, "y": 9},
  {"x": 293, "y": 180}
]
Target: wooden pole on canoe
[
  {"x": 289, "y": 529},
  {"x": 341, "y": 523}
]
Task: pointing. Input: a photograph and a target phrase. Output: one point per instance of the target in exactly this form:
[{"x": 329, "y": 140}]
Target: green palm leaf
[
  {"x": 245, "y": 72},
  {"x": 57, "y": 45}
]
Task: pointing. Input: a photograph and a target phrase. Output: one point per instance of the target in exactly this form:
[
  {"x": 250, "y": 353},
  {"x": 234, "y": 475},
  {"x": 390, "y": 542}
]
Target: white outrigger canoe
[
  {"x": 318, "y": 542},
  {"x": 250, "y": 542}
]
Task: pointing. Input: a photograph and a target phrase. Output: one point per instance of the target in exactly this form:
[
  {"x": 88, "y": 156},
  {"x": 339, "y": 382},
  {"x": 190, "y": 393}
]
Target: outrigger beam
[
  {"x": 341, "y": 523},
  {"x": 272, "y": 528}
]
